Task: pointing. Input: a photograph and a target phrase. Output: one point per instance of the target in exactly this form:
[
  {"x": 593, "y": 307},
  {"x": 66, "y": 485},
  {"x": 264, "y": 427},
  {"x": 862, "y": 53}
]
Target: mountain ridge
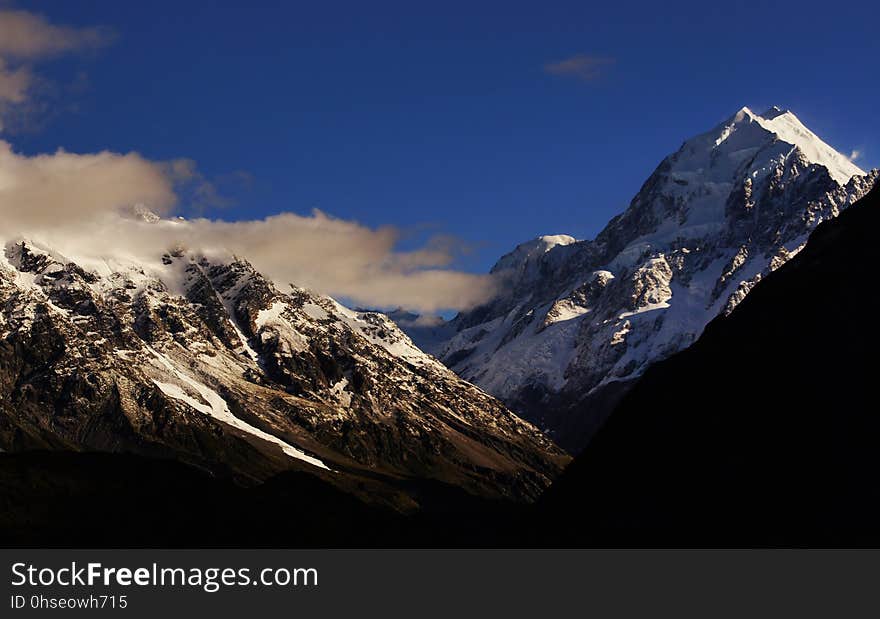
[
  {"x": 207, "y": 362},
  {"x": 575, "y": 324}
]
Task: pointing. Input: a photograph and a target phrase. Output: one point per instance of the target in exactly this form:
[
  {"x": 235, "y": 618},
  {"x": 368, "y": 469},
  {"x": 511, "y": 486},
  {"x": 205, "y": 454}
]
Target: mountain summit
[
  {"x": 577, "y": 321},
  {"x": 783, "y": 126}
]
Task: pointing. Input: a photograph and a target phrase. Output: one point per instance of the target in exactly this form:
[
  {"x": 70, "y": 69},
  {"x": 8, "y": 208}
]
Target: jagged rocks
[{"x": 205, "y": 361}]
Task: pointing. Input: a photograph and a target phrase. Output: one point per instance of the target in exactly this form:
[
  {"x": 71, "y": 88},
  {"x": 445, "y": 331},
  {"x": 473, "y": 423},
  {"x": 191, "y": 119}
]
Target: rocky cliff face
[
  {"x": 579, "y": 320},
  {"x": 201, "y": 359}
]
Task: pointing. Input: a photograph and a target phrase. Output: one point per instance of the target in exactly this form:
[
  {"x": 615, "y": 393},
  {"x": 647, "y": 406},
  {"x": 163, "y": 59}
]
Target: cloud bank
[{"x": 80, "y": 205}]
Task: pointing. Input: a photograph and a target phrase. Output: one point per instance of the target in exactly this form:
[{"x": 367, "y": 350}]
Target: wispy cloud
[
  {"x": 27, "y": 39},
  {"x": 13, "y": 83},
  {"x": 855, "y": 154},
  {"x": 28, "y": 36},
  {"x": 583, "y": 67}
]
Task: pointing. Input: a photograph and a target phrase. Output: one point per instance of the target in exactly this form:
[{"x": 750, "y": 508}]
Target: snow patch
[
  {"x": 338, "y": 390},
  {"x": 271, "y": 315},
  {"x": 315, "y": 311},
  {"x": 215, "y": 406},
  {"x": 650, "y": 307}
]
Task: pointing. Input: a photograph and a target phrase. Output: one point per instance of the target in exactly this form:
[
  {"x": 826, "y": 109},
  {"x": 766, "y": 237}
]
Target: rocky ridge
[{"x": 204, "y": 360}]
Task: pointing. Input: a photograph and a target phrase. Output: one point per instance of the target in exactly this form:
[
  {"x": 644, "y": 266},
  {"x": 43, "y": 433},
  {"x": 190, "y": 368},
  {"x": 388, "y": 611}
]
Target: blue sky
[{"x": 443, "y": 117}]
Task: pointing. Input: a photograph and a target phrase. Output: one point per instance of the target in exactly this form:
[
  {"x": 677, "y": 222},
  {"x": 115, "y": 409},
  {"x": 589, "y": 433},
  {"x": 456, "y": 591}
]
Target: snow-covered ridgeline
[{"x": 728, "y": 207}]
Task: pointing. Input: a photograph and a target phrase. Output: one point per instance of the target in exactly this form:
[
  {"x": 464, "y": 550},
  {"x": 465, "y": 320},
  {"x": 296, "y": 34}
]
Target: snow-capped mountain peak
[
  {"x": 576, "y": 319},
  {"x": 552, "y": 240},
  {"x": 689, "y": 195},
  {"x": 531, "y": 250},
  {"x": 140, "y": 212},
  {"x": 787, "y": 128},
  {"x": 524, "y": 262}
]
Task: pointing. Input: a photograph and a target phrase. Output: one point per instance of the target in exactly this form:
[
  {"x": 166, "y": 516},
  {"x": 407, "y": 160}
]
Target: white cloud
[
  {"x": 64, "y": 188},
  {"x": 855, "y": 154},
  {"x": 74, "y": 204}
]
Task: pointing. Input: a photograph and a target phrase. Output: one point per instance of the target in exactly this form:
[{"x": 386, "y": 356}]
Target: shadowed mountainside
[{"x": 764, "y": 432}]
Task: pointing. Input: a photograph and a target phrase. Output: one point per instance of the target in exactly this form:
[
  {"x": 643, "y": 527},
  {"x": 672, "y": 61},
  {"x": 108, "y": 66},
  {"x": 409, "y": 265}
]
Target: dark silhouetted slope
[{"x": 765, "y": 432}]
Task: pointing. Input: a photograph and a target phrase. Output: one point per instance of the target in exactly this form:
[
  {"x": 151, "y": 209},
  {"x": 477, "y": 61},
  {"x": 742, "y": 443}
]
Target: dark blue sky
[{"x": 440, "y": 117}]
